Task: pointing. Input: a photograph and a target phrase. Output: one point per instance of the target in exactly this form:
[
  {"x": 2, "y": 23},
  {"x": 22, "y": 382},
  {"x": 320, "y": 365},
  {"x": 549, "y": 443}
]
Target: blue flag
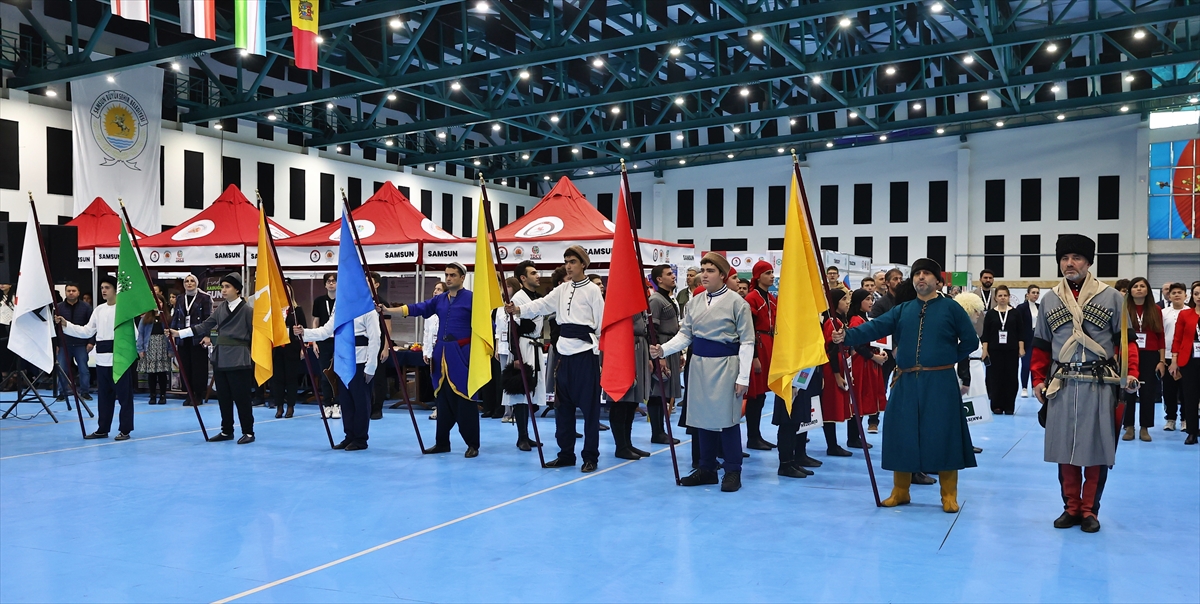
[{"x": 354, "y": 300}]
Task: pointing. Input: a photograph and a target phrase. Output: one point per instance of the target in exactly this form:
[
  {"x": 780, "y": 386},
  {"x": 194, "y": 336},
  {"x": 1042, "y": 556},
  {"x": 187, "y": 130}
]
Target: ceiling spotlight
[
  {"x": 744, "y": 91},
  {"x": 111, "y": 79},
  {"x": 916, "y": 106},
  {"x": 591, "y": 172},
  {"x": 476, "y": 162},
  {"x": 679, "y": 136},
  {"x": 481, "y": 6},
  {"x": 845, "y": 22},
  {"x": 625, "y": 144},
  {"x": 1124, "y": 108},
  {"x": 1052, "y": 47},
  {"x": 1194, "y": 99},
  {"x": 682, "y": 162},
  {"x": 554, "y": 119},
  {"x": 524, "y": 75},
  {"x": 968, "y": 59},
  {"x": 680, "y": 101},
  {"x": 244, "y": 52},
  {"x": 1060, "y": 117},
  {"x": 329, "y": 105},
  {"x": 272, "y": 117},
  {"x": 816, "y": 79},
  {"x": 175, "y": 66},
  {"x": 575, "y": 150},
  {"x": 1129, "y": 78},
  {"x": 730, "y": 156},
  {"x": 441, "y": 135},
  {"x": 737, "y": 129},
  {"x": 616, "y": 110},
  {"x": 395, "y": 23},
  {"x": 853, "y": 115},
  {"x": 1139, "y": 34},
  {"x": 675, "y": 50},
  {"x": 388, "y": 142},
  {"x": 890, "y": 71},
  {"x": 495, "y": 127},
  {"x": 780, "y": 150},
  {"x": 391, "y": 96},
  {"x": 319, "y": 40},
  {"x": 546, "y": 177},
  {"x": 1054, "y": 88},
  {"x": 218, "y": 126},
  {"x": 984, "y": 97},
  {"x": 431, "y": 168},
  {"x": 941, "y": 130},
  {"x": 882, "y": 137},
  {"x": 524, "y": 156},
  {"x": 792, "y": 121},
  {"x": 338, "y": 148},
  {"x": 999, "y": 124},
  {"x": 598, "y": 63},
  {"x": 756, "y": 36},
  {"x": 635, "y": 166},
  {"x": 455, "y": 86},
  {"x": 936, "y": 7},
  {"x": 829, "y": 144}
]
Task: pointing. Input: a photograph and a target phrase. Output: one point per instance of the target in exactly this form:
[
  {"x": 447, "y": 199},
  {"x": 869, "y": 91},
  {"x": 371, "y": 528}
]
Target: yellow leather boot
[
  {"x": 900, "y": 483},
  {"x": 949, "y": 482}
]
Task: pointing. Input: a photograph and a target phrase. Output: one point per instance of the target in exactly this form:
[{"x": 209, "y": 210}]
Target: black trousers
[
  {"x": 1149, "y": 392},
  {"x": 234, "y": 388},
  {"x": 285, "y": 381},
  {"x": 577, "y": 385},
  {"x": 379, "y": 386},
  {"x": 1002, "y": 380},
  {"x": 727, "y": 443},
  {"x": 792, "y": 446},
  {"x": 454, "y": 409},
  {"x": 325, "y": 352},
  {"x": 355, "y": 399},
  {"x": 107, "y": 395},
  {"x": 1170, "y": 393},
  {"x": 1189, "y": 399},
  {"x": 195, "y": 368}
]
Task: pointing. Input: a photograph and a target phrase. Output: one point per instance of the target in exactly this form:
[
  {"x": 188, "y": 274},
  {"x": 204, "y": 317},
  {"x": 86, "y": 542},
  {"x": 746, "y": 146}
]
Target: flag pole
[
  {"x": 512, "y": 322},
  {"x": 62, "y": 341},
  {"x": 650, "y": 331},
  {"x": 843, "y": 357},
  {"x": 159, "y": 301},
  {"x": 316, "y": 384},
  {"x": 383, "y": 327}
]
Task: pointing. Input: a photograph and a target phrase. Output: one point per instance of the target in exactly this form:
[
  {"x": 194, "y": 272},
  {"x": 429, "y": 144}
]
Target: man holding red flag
[{"x": 720, "y": 329}]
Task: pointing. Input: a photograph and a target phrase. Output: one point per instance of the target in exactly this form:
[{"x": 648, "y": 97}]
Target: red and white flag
[
  {"x": 199, "y": 18},
  {"x": 134, "y": 10},
  {"x": 624, "y": 298}
]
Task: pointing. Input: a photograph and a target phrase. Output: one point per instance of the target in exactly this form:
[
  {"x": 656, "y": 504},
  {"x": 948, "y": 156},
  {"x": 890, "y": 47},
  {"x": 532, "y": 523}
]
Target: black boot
[
  {"x": 832, "y": 448},
  {"x": 658, "y": 434},
  {"x": 621, "y": 430},
  {"x": 696, "y": 452},
  {"x": 852, "y": 438},
  {"x": 786, "y": 437},
  {"x": 754, "y": 439},
  {"x": 802, "y": 458}
]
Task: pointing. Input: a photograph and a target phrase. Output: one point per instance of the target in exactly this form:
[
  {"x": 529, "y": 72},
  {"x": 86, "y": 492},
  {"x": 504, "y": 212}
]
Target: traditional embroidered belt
[
  {"x": 575, "y": 331},
  {"x": 104, "y": 346},
  {"x": 712, "y": 348}
]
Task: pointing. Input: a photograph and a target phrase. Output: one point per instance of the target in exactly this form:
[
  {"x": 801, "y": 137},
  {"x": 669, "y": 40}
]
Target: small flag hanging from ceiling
[
  {"x": 250, "y": 23},
  {"x": 305, "y": 32},
  {"x": 199, "y": 18},
  {"x": 134, "y": 10}
]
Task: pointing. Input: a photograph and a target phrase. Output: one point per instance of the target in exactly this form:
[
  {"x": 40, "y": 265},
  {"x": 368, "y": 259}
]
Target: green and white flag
[
  {"x": 250, "y": 26},
  {"x": 134, "y": 299}
]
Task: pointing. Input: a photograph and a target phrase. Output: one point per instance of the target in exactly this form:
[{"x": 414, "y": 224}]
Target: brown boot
[
  {"x": 1144, "y": 434},
  {"x": 900, "y": 484},
  {"x": 278, "y": 411},
  {"x": 291, "y": 410},
  {"x": 949, "y": 482},
  {"x": 1128, "y": 433}
]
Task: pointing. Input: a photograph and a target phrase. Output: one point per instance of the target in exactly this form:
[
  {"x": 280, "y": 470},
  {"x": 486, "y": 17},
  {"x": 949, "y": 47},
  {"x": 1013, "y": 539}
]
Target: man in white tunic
[
  {"x": 720, "y": 329},
  {"x": 101, "y": 325},
  {"x": 529, "y": 339}
]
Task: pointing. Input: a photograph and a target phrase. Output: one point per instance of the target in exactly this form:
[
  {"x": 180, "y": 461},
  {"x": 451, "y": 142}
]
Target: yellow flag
[
  {"x": 799, "y": 342},
  {"x": 484, "y": 299},
  {"x": 270, "y": 306}
]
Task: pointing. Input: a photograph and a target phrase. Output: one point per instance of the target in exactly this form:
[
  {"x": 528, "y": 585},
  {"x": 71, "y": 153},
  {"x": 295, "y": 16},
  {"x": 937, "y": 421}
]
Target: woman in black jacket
[{"x": 1003, "y": 342}]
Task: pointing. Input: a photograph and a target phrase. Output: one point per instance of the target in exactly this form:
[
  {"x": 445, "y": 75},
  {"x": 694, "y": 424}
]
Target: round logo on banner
[
  {"x": 435, "y": 230},
  {"x": 154, "y": 255},
  {"x": 314, "y": 256},
  {"x": 119, "y": 127},
  {"x": 518, "y": 251},
  {"x": 654, "y": 254},
  {"x": 542, "y": 227},
  {"x": 749, "y": 261},
  {"x": 612, "y": 228},
  {"x": 366, "y": 228},
  {"x": 737, "y": 261},
  {"x": 196, "y": 230},
  {"x": 503, "y": 252}
]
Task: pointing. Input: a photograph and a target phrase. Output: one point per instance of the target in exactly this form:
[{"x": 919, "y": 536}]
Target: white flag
[
  {"x": 33, "y": 322},
  {"x": 117, "y": 133}
]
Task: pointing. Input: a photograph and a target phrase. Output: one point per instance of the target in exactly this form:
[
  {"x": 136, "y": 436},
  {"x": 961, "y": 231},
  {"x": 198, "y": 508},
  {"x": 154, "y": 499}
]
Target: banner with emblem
[{"x": 117, "y": 129}]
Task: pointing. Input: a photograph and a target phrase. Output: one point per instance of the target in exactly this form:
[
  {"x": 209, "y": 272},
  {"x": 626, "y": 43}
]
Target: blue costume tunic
[
  {"x": 449, "y": 360},
  {"x": 925, "y": 428}
]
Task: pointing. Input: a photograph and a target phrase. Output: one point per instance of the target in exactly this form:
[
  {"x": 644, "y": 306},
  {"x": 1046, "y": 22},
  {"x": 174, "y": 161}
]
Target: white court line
[
  {"x": 113, "y": 442},
  {"x": 364, "y": 552},
  {"x": 67, "y": 413}
]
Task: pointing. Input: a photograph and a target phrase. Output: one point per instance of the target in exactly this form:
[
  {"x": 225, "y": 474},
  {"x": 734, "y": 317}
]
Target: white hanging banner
[{"x": 117, "y": 128}]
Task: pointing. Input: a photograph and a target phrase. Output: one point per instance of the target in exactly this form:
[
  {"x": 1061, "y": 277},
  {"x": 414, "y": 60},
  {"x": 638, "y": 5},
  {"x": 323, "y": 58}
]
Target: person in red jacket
[
  {"x": 1185, "y": 365},
  {"x": 763, "y": 307},
  {"x": 866, "y": 364},
  {"x": 1077, "y": 378},
  {"x": 835, "y": 400}
]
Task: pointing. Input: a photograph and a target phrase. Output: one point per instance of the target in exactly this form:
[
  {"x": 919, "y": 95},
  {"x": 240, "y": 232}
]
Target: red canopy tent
[
  {"x": 99, "y": 226},
  {"x": 223, "y": 234},
  {"x": 564, "y": 218},
  {"x": 392, "y": 232}
]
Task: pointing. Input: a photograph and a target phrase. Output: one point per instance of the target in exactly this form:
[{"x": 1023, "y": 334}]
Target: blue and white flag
[{"x": 354, "y": 300}]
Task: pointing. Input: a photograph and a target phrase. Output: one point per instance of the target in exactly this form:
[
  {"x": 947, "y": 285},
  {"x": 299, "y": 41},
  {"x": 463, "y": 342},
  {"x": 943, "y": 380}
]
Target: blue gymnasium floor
[{"x": 166, "y": 517}]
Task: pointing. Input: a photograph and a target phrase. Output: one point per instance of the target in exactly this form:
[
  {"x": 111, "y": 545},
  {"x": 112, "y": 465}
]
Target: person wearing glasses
[{"x": 322, "y": 312}]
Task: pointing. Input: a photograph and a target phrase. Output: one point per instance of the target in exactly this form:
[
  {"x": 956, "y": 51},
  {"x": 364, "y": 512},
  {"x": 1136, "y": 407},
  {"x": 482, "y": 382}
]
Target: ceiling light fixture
[
  {"x": 999, "y": 124},
  {"x": 395, "y": 23},
  {"x": 616, "y": 110},
  {"x": 338, "y": 148},
  {"x": 575, "y": 150},
  {"x": 1129, "y": 78},
  {"x": 756, "y": 36},
  {"x": 816, "y": 79},
  {"x": 111, "y": 79},
  {"x": 524, "y": 156},
  {"x": 441, "y": 135},
  {"x": 1124, "y": 108},
  {"x": 554, "y": 119},
  {"x": 1052, "y": 47},
  {"x": 682, "y": 162},
  {"x": 625, "y": 144},
  {"x": 792, "y": 121},
  {"x": 1060, "y": 117},
  {"x": 546, "y": 177},
  {"x": 476, "y": 162},
  {"x": 744, "y": 91},
  {"x": 853, "y": 115},
  {"x": 968, "y": 59},
  {"x": 882, "y": 137},
  {"x": 481, "y": 6},
  {"x": 1139, "y": 34},
  {"x": 984, "y": 97},
  {"x": 780, "y": 150},
  {"x": 1193, "y": 100},
  {"x": 495, "y": 127},
  {"x": 524, "y": 75},
  {"x": 916, "y": 106},
  {"x": 218, "y": 126},
  {"x": 175, "y": 66},
  {"x": 730, "y": 156},
  {"x": 319, "y": 40},
  {"x": 845, "y": 22},
  {"x": 890, "y": 71},
  {"x": 391, "y": 96},
  {"x": 455, "y": 86},
  {"x": 272, "y": 117},
  {"x": 329, "y": 105},
  {"x": 675, "y": 51},
  {"x": 244, "y": 52},
  {"x": 679, "y": 136},
  {"x": 598, "y": 63},
  {"x": 591, "y": 172},
  {"x": 829, "y": 144},
  {"x": 635, "y": 166},
  {"x": 737, "y": 129},
  {"x": 1054, "y": 88},
  {"x": 388, "y": 142},
  {"x": 431, "y": 168},
  {"x": 936, "y": 7}
]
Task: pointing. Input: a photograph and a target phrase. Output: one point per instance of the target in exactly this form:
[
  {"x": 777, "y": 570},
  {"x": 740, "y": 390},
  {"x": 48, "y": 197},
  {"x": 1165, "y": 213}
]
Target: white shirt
[
  {"x": 1169, "y": 316},
  {"x": 579, "y": 303},
  {"x": 683, "y": 339},
  {"x": 430, "y": 336},
  {"x": 187, "y": 333},
  {"x": 101, "y": 325},
  {"x": 366, "y": 324}
]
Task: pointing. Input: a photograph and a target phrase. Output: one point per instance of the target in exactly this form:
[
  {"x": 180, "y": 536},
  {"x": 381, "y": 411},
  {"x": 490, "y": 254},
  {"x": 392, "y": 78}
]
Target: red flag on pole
[{"x": 625, "y": 297}]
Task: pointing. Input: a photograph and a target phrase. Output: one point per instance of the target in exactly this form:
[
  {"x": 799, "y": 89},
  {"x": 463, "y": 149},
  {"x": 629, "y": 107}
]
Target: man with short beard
[
  {"x": 1076, "y": 348},
  {"x": 925, "y": 430},
  {"x": 987, "y": 294}
]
